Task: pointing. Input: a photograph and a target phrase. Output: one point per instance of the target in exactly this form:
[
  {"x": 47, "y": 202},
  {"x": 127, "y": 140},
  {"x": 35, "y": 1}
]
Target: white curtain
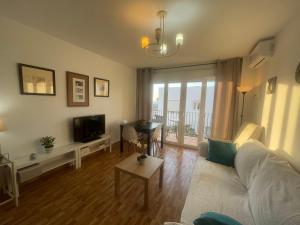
[
  {"x": 225, "y": 114},
  {"x": 144, "y": 94}
]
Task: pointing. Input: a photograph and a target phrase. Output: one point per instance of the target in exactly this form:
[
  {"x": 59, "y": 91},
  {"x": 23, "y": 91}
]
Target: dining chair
[
  {"x": 130, "y": 135},
  {"x": 155, "y": 140}
]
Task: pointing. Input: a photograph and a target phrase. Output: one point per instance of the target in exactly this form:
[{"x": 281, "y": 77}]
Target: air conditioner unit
[{"x": 261, "y": 52}]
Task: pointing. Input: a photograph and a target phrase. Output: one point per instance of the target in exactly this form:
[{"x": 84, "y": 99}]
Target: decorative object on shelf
[
  {"x": 243, "y": 90},
  {"x": 33, "y": 156},
  {"x": 48, "y": 142},
  {"x": 160, "y": 48},
  {"x": 297, "y": 75},
  {"x": 272, "y": 85},
  {"x": 101, "y": 87},
  {"x": 2, "y": 129},
  {"x": 77, "y": 89},
  {"x": 36, "y": 80}
]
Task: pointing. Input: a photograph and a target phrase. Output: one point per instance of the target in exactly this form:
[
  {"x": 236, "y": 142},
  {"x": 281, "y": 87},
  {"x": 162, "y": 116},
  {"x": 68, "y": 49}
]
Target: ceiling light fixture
[{"x": 160, "y": 48}]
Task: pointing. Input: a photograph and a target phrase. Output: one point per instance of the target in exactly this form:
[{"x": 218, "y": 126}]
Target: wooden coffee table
[{"x": 144, "y": 171}]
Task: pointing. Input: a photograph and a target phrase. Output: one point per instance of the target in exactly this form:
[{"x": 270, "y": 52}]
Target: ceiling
[{"x": 212, "y": 29}]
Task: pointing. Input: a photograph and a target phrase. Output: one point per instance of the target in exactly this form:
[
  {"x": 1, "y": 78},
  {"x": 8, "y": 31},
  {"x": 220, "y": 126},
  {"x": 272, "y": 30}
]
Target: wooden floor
[{"x": 86, "y": 196}]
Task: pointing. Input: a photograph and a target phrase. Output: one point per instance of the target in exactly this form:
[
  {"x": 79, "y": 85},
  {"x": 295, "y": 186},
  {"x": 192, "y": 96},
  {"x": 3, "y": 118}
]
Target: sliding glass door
[
  {"x": 192, "y": 126},
  {"x": 186, "y": 110},
  {"x": 158, "y": 102},
  {"x": 173, "y": 117}
]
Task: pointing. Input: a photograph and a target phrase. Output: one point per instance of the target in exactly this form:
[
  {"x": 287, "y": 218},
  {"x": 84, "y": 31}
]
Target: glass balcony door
[
  {"x": 186, "y": 110},
  {"x": 192, "y": 125},
  {"x": 158, "y": 100},
  {"x": 173, "y": 113}
]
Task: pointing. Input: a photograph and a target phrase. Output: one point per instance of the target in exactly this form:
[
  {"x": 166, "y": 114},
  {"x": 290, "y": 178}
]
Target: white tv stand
[
  {"x": 26, "y": 168},
  {"x": 90, "y": 147}
]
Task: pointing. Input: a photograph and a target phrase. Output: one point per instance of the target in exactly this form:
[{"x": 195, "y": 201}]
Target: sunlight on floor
[{"x": 188, "y": 140}]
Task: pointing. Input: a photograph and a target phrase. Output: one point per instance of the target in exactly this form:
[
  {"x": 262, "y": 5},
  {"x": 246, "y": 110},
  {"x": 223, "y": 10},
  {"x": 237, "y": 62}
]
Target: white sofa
[{"x": 262, "y": 189}]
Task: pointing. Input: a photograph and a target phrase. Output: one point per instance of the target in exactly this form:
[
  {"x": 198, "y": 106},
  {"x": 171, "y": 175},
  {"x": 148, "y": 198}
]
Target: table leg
[
  {"x": 149, "y": 143},
  {"x": 78, "y": 158},
  {"x": 121, "y": 139},
  {"x": 162, "y": 136},
  {"x": 117, "y": 182},
  {"x": 161, "y": 176},
  {"x": 15, "y": 184},
  {"x": 110, "y": 145},
  {"x": 146, "y": 194}
]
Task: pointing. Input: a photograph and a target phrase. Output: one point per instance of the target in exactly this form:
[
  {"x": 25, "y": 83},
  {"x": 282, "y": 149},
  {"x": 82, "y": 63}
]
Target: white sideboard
[{"x": 27, "y": 168}]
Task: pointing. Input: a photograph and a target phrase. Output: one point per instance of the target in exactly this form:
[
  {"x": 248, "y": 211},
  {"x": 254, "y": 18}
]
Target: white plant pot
[{"x": 48, "y": 149}]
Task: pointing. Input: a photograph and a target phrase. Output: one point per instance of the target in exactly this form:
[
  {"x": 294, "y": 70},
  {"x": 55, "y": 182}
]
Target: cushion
[
  {"x": 212, "y": 218},
  {"x": 274, "y": 195},
  {"x": 249, "y": 159},
  {"x": 222, "y": 152},
  {"x": 248, "y": 131}
]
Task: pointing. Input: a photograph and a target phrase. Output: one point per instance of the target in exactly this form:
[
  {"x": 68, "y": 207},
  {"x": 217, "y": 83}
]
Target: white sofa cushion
[
  {"x": 248, "y": 131},
  {"x": 216, "y": 188},
  {"x": 275, "y": 193},
  {"x": 249, "y": 159}
]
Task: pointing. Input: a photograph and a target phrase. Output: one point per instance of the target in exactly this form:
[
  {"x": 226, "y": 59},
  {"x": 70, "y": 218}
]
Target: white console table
[{"x": 26, "y": 168}]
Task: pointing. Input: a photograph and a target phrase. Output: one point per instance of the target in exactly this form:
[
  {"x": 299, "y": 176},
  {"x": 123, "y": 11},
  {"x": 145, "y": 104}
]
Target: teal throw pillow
[
  {"x": 222, "y": 152},
  {"x": 213, "y": 218}
]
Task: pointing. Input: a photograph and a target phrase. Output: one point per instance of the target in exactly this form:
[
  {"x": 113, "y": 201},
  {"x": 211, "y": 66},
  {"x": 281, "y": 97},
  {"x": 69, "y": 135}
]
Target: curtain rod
[{"x": 192, "y": 65}]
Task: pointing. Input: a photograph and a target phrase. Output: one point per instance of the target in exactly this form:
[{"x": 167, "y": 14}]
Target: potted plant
[
  {"x": 141, "y": 158},
  {"x": 48, "y": 142}
]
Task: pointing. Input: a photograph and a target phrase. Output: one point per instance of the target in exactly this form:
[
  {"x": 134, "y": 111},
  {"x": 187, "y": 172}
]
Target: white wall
[
  {"x": 279, "y": 113},
  {"x": 30, "y": 117}
]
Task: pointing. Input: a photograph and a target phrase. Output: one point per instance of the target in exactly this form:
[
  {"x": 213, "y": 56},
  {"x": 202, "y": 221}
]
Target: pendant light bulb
[
  {"x": 179, "y": 39},
  {"x": 163, "y": 49},
  {"x": 145, "y": 42}
]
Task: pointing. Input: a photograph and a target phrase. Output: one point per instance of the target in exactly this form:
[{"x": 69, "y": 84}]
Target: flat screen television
[{"x": 88, "y": 128}]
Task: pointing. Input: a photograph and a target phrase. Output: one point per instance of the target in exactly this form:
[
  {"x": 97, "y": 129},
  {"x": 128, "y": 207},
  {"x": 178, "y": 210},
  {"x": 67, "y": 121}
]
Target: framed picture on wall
[
  {"x": 272, "y": 82},
  {"x": 36, "y": 80},
  {"x": 77, "y": 89},
  {"x": 101, "y": 87}
]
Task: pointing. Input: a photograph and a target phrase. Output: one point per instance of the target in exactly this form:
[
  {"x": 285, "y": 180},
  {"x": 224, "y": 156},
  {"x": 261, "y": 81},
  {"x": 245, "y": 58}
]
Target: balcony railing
[{"x": 191, "y": 127}]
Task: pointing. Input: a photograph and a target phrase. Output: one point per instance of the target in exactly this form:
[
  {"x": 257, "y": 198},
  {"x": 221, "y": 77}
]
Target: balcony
[{"x": 193, "y": 130}]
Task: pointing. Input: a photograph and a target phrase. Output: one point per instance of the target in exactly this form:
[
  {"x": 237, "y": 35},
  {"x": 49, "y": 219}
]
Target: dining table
[{"x": 144, "y": 127}]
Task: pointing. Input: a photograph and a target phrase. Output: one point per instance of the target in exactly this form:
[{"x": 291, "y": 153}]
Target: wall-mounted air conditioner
[{"x": 261, "y": 52}]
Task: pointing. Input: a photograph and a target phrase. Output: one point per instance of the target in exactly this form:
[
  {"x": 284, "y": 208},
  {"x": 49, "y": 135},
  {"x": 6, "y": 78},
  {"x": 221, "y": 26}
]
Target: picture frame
[
  {"x": 77, "y": 89},
  {"x": 101, "y": 87},
  {"x": 272, "y": 83},
  {"x": 36, "y": 80},
  {"x": 297, "y": 74}
]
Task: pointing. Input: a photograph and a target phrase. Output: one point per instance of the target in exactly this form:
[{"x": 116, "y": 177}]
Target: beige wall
[
  {"x": 30, "y": 117},
  {"x": 279, "y": 113}
]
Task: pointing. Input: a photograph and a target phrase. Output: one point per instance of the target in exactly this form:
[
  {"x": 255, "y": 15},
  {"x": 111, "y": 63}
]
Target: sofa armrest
[{"x": 203, "y": 148}]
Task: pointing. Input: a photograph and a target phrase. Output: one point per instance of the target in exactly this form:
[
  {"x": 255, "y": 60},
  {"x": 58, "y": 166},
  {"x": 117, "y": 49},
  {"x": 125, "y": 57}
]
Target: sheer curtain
[
  {"x": 144, "y": 94},
  {"x": 225, "y": 114}
]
